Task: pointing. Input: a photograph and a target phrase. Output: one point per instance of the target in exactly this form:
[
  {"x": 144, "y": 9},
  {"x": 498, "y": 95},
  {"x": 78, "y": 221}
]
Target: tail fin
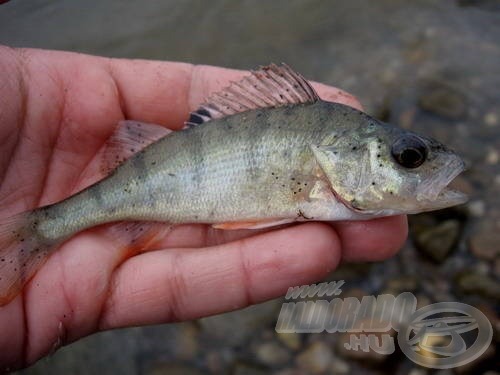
[
  {"x": 23, "y": 249},
  {"x": 21, "y": 253}
]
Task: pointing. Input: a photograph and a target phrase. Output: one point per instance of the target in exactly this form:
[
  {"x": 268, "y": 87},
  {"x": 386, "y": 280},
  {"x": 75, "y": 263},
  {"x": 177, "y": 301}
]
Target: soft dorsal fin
[
  {"x": 129, "y": 138},
  {"x": 269, "y": 86}
]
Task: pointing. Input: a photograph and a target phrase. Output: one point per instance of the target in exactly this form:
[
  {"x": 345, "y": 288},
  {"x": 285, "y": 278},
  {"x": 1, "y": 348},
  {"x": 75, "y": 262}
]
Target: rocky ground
[{"x": 432, "y": 66}]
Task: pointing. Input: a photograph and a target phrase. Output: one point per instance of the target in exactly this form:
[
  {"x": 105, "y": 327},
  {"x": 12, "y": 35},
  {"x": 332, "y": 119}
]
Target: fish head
[{"x": 384, "y": 170}]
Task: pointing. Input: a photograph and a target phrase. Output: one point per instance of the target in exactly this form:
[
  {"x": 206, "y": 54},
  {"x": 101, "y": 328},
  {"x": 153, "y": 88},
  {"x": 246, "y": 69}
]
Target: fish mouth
[{"x": 435, "y": 192}]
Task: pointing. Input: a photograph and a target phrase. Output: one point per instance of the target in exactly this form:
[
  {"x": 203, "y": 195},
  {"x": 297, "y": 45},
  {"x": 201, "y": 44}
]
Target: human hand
[{"x": 58, "y": 109}]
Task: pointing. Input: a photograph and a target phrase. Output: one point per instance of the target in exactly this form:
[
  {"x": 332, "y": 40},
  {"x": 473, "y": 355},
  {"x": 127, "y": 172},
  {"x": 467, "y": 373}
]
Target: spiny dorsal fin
[
  {"x": 269, "y": 86},
  {"x": 129, "y": 138}
]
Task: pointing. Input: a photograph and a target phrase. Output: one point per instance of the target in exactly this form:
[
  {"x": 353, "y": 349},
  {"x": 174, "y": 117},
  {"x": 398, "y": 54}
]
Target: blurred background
[{"x": 432, "y": 66}]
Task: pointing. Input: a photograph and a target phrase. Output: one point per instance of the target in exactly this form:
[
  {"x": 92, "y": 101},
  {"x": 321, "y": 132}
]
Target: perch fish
[{"x": 264, "y": 151}]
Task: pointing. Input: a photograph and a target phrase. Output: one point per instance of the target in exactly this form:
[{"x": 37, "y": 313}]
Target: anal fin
[{"x": 137, "y": 236}]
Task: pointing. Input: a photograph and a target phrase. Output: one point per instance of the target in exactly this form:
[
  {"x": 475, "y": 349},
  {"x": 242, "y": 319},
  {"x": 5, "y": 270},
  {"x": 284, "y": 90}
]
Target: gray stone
[
  {"x": 497, "y": 180},
  {"x": 235, "y": 328},
  {"x": 485, "y": 241},
  {"x": 187, "y": 341},
  {"x": 496, "y": 268},
  {"x": 248, "y": 369},
  {"x": 272, "y": 354},
  {"x": 483, "y": 285},
  {"x": 340, "y": 367},
  {"x": 290, "y": 371},
  {"x": 418, "y": 371},
  {"x": 220, "y": 359},
  {"x": 403, "y": 283},
  {"x": 316, "y": 358},
  {"x": 476, "y": 208},
  {"x": 491, "y": 119},
  {"x": 438, "y": 241},
  {"x": 444, "y": 100},
  {"x": 174, "y": 369},
  {"x": 492, "y": 156},
  {"x": 292, "y": 340}
]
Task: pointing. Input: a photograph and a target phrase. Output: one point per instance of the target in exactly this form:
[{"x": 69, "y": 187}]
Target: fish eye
[{"x": 409, "y": 151}]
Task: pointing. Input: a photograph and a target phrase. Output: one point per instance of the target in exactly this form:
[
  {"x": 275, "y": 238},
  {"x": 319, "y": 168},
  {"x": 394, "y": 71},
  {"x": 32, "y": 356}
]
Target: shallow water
[{"x": 429, "y": 65}]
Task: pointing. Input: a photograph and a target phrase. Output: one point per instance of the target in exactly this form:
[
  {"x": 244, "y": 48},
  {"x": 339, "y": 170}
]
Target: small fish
[{"x": 265, "y": 151}]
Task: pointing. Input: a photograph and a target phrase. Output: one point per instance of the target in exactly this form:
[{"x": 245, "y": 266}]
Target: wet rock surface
[
  {"x": 431, "y": 66},
  {"x": 315, "y": 359},
  {"x": 444, "y": 101},
  {"x": 438, "y": 241},
  {"x": 485, "y": 241}
]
